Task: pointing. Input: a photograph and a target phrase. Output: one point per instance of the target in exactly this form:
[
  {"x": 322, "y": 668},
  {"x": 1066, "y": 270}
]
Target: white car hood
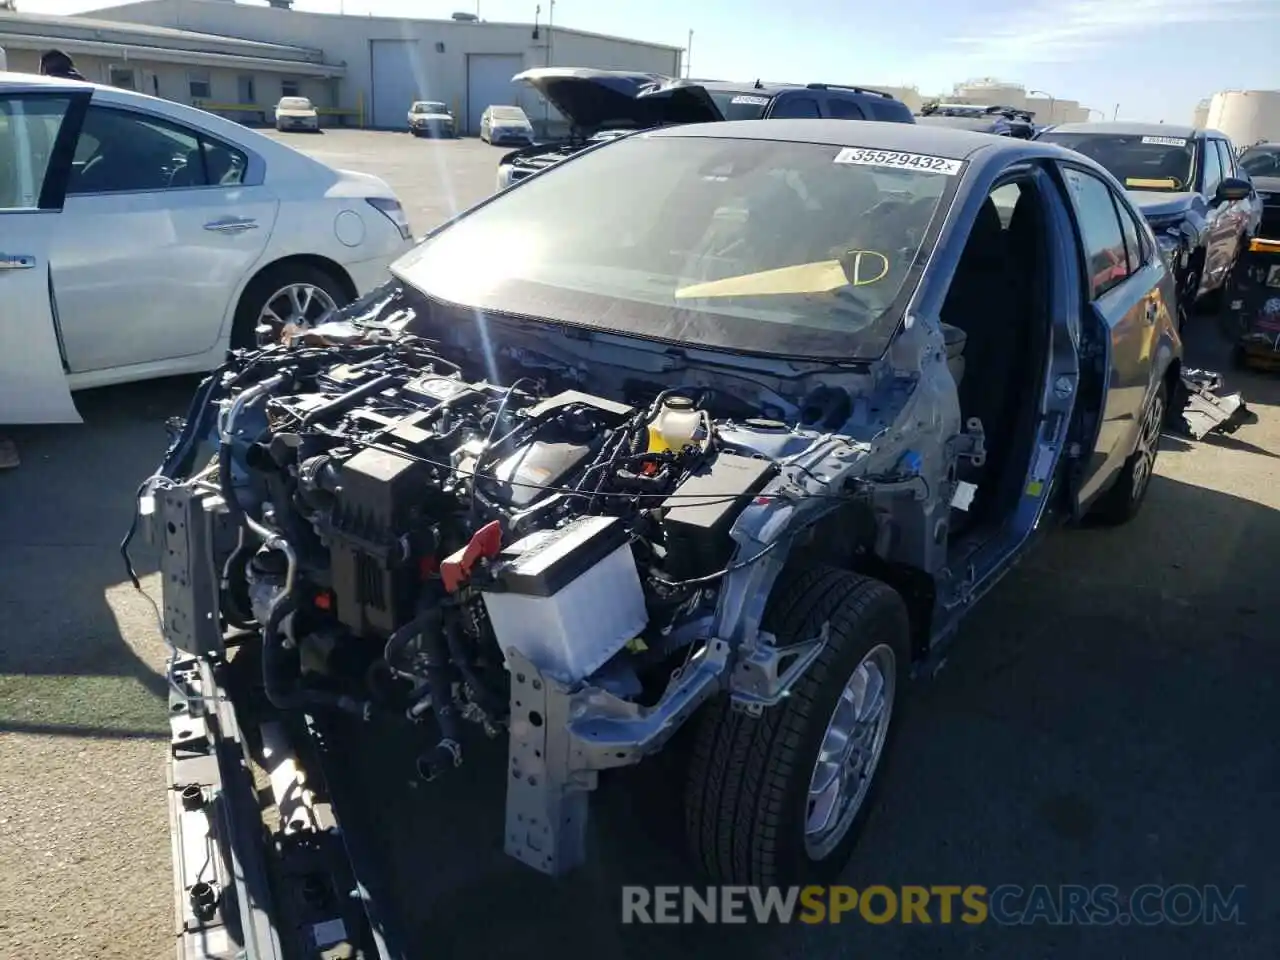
[
  {"x": 431, "y": 116},
  {"x": 295, "y": 113}
]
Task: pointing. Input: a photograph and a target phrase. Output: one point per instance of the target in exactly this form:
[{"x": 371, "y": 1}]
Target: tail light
[{"x": 392, "y": 210}]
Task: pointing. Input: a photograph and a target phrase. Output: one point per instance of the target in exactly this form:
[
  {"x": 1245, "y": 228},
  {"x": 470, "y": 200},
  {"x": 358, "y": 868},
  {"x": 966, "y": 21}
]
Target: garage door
[
  {"x": 489, "y": 82},
  {"x": 396, "y": 74}
]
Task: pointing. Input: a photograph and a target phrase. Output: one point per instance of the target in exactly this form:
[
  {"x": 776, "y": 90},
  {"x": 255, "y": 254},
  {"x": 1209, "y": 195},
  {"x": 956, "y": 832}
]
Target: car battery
[{"x": 567, "y": 599}]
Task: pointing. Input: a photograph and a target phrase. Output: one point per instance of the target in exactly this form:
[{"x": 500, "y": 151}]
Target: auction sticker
[
  {"x": 754, "y": 101},
  {"x": 1166, "y": 141},
  {"x": 898, "y": 161}
]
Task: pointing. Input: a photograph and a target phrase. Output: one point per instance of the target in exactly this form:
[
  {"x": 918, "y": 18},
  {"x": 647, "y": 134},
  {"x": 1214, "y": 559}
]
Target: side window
[
  {"x": 1212, "y": 169},
  {"x": 1228, "y": 159},
  {"x": 842, "y": 108},
  {"x": 795, "y": 107},
  {"x": 1135, "y": 241},
  {"x": 120, "y": 151},
  {"x": 1106, "y": 263},
  {"x": 29, "y": 126}
]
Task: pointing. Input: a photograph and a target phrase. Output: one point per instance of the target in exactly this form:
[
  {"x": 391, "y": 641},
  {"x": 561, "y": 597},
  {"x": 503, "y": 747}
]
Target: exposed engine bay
[{"x": 576, "y": 572}]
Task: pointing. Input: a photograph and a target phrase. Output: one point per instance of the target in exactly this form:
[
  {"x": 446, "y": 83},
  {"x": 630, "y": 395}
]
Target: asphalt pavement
[{"x": 1107, "y": 716}]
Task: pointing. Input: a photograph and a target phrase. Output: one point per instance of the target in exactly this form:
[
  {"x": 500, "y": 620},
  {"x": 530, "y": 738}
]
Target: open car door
[{"x": 38, "y": 127}]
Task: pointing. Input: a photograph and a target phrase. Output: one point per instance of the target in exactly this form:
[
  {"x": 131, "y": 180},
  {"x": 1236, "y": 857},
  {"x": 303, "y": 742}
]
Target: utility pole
[
  {"x": 551, "y": 19},
  {"x": 1115, "y": 113},
  {"x": 688, "y": 56}
]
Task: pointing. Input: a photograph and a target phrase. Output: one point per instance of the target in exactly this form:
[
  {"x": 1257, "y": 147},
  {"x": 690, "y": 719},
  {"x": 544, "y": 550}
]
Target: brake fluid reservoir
[{"x": 676, "y": 426}]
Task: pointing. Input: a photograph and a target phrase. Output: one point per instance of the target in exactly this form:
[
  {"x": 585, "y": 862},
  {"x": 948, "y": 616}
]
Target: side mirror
[{"x": 1233, "y": 188}]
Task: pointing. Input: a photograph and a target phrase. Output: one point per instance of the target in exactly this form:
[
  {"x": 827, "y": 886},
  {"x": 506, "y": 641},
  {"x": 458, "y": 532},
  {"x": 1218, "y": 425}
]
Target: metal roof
[
  {"x": 1126, "y": 129},
  {"x": 107, "y": 31}
]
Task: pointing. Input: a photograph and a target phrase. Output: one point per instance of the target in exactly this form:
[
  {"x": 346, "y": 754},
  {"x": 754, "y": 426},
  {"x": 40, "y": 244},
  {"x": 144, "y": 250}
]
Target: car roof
[
  {"x": 765, "y": 88},
  {"x": 1127, "y": 129},
  {"x": 935, "y": 141},
  {"x": 12, "y": 79}
]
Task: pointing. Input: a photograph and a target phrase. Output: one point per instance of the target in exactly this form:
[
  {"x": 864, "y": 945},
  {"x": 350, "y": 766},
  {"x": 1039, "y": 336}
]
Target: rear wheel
[
  {"x": 295, "y": 293},
  {"x": 782, "y": 798},
  {"x": 1122, "y": 502}
]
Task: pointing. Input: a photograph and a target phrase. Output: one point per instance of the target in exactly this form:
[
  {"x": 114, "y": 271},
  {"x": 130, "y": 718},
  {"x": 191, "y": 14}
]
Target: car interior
[
  {"x": 996, "y": 323},
  {"x": 119, "y": 152}
]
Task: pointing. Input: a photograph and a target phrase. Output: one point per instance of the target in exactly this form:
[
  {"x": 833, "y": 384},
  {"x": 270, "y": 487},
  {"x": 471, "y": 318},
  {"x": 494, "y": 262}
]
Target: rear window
[
  {"x": 740, "y": 104},
  {"x": 295, "y": 103},
  {"x": 762, "y": 246},
  {"x": 1261, "y": 161},
  {"x": 430, "y": 106},
  {"x": 884, "y": 108}
]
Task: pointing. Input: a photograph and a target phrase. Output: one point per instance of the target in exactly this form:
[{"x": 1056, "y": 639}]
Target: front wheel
[{"x": 782, "y": 798}]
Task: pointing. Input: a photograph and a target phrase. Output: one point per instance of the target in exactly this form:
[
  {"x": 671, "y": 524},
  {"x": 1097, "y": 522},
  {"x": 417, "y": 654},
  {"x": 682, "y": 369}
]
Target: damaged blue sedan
[{"x": 734, "y": 449}]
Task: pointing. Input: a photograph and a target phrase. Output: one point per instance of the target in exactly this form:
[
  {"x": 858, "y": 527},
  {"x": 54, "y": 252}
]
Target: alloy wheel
[
  {"x": 298, "y": 304},
  {"x": 850, "y": 751},
  {"x": 1148, "y": 444}
]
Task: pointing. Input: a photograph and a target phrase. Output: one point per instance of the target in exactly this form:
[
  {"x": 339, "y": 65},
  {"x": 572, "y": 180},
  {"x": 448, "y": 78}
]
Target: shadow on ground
[
  {"x": 65, "y": 666},
  {"x": 1107, "y": 717}
]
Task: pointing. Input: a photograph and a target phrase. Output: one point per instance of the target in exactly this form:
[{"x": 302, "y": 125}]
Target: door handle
[
  {"x": 16, "y": 261},
  {"x": 231, "y": 225}
]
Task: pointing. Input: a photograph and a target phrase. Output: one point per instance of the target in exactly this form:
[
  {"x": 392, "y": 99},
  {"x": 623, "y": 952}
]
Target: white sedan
[
  {"x": 297, "y": 113},
  {"x": 141, "y": 238}
]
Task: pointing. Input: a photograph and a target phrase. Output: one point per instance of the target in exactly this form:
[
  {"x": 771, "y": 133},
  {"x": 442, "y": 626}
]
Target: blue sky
[{"x": 1155, "y": 58}]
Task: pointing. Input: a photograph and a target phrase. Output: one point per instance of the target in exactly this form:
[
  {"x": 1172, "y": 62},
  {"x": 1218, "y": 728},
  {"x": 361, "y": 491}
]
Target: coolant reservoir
[{"x": 676, "y": 426}]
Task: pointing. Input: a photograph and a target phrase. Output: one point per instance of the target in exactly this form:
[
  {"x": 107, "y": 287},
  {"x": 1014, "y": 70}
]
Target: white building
[
  {"x": 1246, "y": 116},
  {"x": 182, "y": 65},
  {"x": 988, "y": 91},
  {"x": 383, "y": 63}
]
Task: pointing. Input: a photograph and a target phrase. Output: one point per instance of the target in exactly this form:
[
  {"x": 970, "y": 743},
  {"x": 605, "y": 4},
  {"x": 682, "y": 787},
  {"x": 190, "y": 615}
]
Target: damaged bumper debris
[{"x": 1205, "y": 411}]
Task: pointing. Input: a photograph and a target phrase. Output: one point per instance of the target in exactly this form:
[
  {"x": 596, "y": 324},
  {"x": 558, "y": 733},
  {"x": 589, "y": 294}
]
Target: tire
[
  {"x": 747, "y": 785},
  {"x": 275, "y": 278},
  {"x": 1124, "y": 500}
]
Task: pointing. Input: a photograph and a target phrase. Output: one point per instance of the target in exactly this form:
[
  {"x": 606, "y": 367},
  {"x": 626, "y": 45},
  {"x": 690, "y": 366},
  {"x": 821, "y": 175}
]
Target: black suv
[
  {"x": 1187, "y": 183},
  {"x": 604, "y": 104}
]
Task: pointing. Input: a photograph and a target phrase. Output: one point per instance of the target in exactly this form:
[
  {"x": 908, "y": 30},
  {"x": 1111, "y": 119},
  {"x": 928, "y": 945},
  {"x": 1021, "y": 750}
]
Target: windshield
[
  {"x": 1261, "y": 161},
  {"x": 508, "y": 114},
  {"x": 295, "y": 103},
  {"x": 430, "y": 106},
  {"x": 739, "y": 104},
  {"x": 760, "y": 246},
  {"x": 1138, "y": 162}
]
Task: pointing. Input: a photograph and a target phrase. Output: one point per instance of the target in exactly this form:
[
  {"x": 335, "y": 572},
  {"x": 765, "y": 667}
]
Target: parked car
[
  {"x": 142, "y": 237},
  {"x": 505, "y": 124},
  {"x": 604, "y": 104},
  {"x": 737, "y": 447},
  {"x": 1001, "y": 121},
  {"x": 1253, "y": 318},
  {"x": 297, "y": 113},
  {"x": 1188, "y": 185},
  {"x": 431, "y": 118}
]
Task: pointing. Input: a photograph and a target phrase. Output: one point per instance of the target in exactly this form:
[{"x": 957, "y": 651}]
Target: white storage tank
[
  {"x": 1246, "y": 116},
  {"x": 1200, "y": 116},
  {"x": 992, "y": 93}
]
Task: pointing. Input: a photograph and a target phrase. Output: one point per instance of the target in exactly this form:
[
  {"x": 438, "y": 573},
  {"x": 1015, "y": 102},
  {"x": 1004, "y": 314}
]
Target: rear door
[
  {"x": 162, "y": 223},
  {"x": 1129, "y": 312},
  {"x": 37, "y": 132}
]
